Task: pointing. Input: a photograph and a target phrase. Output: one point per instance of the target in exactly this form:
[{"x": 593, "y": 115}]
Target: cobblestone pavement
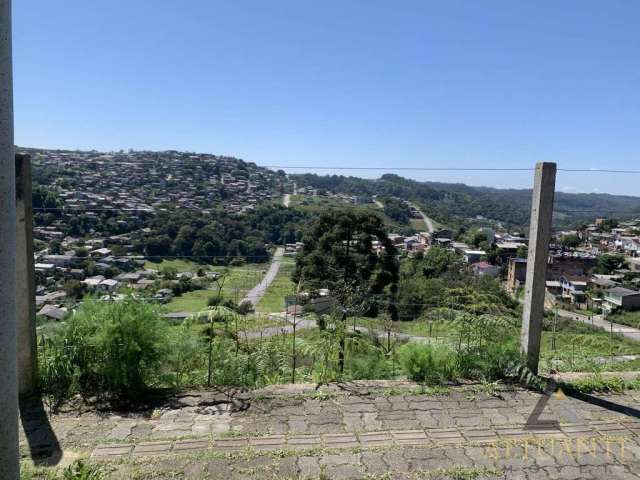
[{"x": 362, "y": 430}]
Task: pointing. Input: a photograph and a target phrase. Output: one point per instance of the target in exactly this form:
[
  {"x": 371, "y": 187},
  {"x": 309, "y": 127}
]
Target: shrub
[
  {"x": 184, "y": 354},
  {"x": 56, "y": 372},
  {"x": 80, "y": 470},
  {"x": 245, "y": 307},
  {"x": 129, "y": 341},
  {"x": 221, "y": 301},
  {"x": 492, "y": 361},
  {"x": 111, "y": 348},
  {"x": 371, "y": 364},
  {"x": 428, "y": 363}
]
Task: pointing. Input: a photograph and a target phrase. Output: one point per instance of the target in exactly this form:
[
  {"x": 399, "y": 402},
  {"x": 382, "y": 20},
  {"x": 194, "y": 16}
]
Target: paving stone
[
  {"x": 122, "y": 430},
  {"x": 375, "y": 439},
  {"x": 201, "y": 428},
  {"x": 577, "y": 430},
  {"x": 195, "y": 471},
  {"x": 513, "y": 432},
  {"x": 373, "y": 463},
  {"x": 287, "y": 468},
  {"x": 308, "y": 467},
  {"x": 230, "y": 443},
  {"x": 170, "y": 426},
  {"x": 344, "y": 472},
  {"x": 218, "y": 469},
  {"x": 340, "y": 440},
  {"x": 479, "y": 434},
  {"x": 167, "y": 434},
  {"x": 112, "y": 450},
  {"x": 152, "y": 448},
  {"x": 445, "y": 436},
  {"x": 410, "y": 437},
  {"x": 339, "y": 459},
  {"x": 274, "y": 442},
  {"x": 395, "y": 461},
  {"x": 190, "y": 445},
  {"x": 304, "y": 441},
  {"x": 609, "y": 428}
]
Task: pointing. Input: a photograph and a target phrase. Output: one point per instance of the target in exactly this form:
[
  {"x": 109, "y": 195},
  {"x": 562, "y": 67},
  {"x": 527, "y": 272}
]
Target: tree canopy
[{"x": 338, "y": 248}]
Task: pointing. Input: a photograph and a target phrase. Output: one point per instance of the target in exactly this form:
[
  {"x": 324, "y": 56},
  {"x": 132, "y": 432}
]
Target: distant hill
[{"x": 456, "y": 204}]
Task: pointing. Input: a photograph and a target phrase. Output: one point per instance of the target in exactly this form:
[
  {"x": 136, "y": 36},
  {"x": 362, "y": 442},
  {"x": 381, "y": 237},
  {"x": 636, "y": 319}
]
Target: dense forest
[{"x": 454, "y": 203}]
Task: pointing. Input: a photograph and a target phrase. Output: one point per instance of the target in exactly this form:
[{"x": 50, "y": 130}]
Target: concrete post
[
  {"x": 539, "y": 237},
  {"x": 25, "y": 280},
  {"x": 9, "y": 459}
]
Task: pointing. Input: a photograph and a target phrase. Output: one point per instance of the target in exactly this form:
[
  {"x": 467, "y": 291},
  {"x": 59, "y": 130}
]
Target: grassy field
[
  {"x": 573, "y": 347},
  {"x": 239, "y": 281},
  {"x": 251, "y": 322},
  {"x": 419, "y": 224},
  {"x": 190, "y": 302},
  {"x": 273, "y": 299},
  {"x": 181, "y": 265},
  {"x": 318, "y": 204},
  {"x": 631, "y": 319}
]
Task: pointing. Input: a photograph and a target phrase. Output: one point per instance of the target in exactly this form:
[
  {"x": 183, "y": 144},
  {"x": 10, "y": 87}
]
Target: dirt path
[
  {"x": 427, "y": 220},
  {"x": 256, "y": 293}
]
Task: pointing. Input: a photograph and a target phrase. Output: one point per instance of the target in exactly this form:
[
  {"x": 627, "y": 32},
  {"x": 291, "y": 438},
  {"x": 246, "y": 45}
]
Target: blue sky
[{"x": 471, "y": 83}]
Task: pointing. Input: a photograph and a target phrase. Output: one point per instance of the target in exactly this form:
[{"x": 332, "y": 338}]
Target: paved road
[
  {"x": 306, "y": 323},
  {"x": 256, "y": 293},
  {"x": 426, "y": 219},
  {"x": 301, "y": 324},
  {"x": 599, "y": 321}
]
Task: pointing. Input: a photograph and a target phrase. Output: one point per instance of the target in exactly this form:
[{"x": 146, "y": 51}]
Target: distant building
[
  {"x": 485, "y": 269},
  {"x": 53, "y": 312},
  {"x": 619, "y": 298},
  {"x": 574, "y": 289},
  {"x": 58, "y": 260},
  {"x": 516, "y": 273},
  {"x": 473, "y": 256}
]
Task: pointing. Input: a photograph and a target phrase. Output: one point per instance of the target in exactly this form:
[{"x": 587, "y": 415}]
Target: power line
[
  {"x": 105, "y": 209},
  {"x": 297, "y": 167},
  {"x": 170, "y": 163},
  {"x": 596, "y": 170}
]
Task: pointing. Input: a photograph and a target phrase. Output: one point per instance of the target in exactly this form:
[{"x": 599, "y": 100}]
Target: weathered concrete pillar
[
  {"x": 25, "y": 280},
  {"x": 9, "y": 459},
  {"x": 539, "y": 237}
]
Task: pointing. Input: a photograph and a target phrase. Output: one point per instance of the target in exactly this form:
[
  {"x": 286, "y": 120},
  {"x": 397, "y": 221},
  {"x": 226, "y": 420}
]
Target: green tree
[
  {"x": 522, "y": 252},
  {"x": 437, "y": 261},
  {"x": 74, "y": 288},
  {"x": 338, "y": 254},
  {"x": 607, "y": 263},
  {"x": 570, "y": 241},
  {"x": 338, "y": 247}
]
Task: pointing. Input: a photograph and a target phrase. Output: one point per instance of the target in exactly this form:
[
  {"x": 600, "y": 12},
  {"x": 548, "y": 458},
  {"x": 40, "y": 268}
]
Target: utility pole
[
  {"x": 539, "y": 237},
  {"x": 9, "y": 456}
]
